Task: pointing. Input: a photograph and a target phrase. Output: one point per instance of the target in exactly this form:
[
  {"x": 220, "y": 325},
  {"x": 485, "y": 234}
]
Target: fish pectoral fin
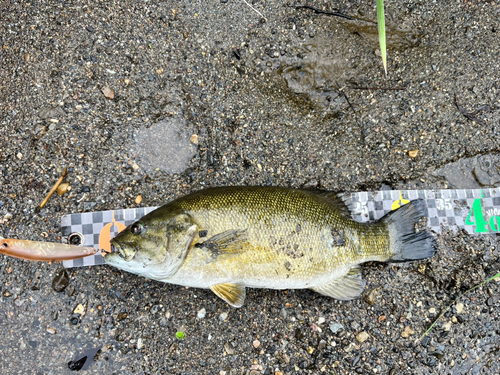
[
  {"x": 346, "y": 288},
  {"x": 233, "y": 294},
  {"x": 228, "y": 243}
]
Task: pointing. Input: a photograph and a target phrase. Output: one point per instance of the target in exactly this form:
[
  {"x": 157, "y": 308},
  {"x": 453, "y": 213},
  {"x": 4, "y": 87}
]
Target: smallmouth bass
[{"x": 230, "y": 238}]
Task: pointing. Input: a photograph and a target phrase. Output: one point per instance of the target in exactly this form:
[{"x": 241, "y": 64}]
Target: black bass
[{"x": 230, "y": 238}]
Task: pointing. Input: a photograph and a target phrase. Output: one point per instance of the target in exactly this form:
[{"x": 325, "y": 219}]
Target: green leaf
[
  {"x": 179, "y": 335},
  {"x": 381, "y": 32}
]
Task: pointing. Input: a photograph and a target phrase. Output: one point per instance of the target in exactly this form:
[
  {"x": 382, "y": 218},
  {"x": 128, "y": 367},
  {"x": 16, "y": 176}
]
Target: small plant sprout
[{"x": 179, "y": 335}]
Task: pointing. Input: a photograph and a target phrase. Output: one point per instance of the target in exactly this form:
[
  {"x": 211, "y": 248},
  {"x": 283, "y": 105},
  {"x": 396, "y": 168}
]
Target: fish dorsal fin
[
  {"x": 333, "y": 199},
  {"x": 227, "y": 243},
  {"x": 346, "y": 288},
  {"x": 233, "y": 294}
]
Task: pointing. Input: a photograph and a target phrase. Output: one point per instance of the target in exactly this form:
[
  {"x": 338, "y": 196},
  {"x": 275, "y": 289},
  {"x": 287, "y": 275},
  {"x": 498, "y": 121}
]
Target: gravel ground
[{"x": 294, "y": 99}]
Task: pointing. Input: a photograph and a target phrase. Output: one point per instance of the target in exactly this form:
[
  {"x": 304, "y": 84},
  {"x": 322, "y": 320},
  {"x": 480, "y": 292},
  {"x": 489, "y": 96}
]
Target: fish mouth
[{"x": 122, "y": 252}]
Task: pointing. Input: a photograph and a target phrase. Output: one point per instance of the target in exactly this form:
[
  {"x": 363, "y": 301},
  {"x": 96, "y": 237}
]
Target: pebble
[
  {"x": 459, "y": 307},
  {"x": 108, "y": 93},
  {"x": 362, "y": 337},
  {"x": 321, "y": 320},
  {"x": 432, "y": 310},
  {"x": 122, "y": 316},
  {"x": 256, "y": 344},
  {"x": 138, "y": 199},
  {"x": 194, "y": 139},
  {"x": 370, "y": 297},
  {"x": 202, "y": 313},
  {"x": 6, "y": 293},
  {"x": 52, "y": 331},
  {"x": 79, "y": 309},
  {"x": 447, "y": 326},
  {"x": 454, "y": 319},
  {"x": 223, "y": 316},
  {"x": 349, "y": 348},
  {"x": 19, "y": 155},
  {"x": 61, "y": 281},
  {"x": 413, "y": 153},
  {"x": 228, "y": 348},
  {"x": 335, "y": 327},
  {"x": 407, "y": 332},
  {"x": 63, "y": 188},
  {"x": 140, "y": 343}
]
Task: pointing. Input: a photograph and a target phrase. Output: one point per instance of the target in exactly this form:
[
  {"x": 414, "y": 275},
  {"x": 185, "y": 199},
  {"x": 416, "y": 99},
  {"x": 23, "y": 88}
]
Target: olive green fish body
[{"x": 265, "y": 237}]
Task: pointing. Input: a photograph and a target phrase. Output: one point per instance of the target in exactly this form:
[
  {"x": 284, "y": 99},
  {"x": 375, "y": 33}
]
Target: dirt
[{"x": 295, "y": 98}]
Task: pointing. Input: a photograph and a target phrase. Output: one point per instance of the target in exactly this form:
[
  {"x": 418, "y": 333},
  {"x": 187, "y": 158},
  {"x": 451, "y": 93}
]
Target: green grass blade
[
  {"x": 445, "y": 310},
  {"x": 381, "y": 32}
]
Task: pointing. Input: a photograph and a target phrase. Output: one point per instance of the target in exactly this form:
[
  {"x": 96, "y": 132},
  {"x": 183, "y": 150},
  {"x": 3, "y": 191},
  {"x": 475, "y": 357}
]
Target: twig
[
  {"x": 54, "y": 188},
  {"x": 377, "y": 88},
  {"x": 255, "y": 10},
  {"x": 316, "y": 10},
  {"x": 456, "y": 299}
]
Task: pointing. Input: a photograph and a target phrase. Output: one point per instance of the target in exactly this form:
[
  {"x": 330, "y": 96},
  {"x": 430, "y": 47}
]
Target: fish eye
[{"x": 136, "y": 228}]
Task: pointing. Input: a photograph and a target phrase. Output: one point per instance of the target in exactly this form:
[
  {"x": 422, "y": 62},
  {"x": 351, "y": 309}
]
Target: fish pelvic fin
[
  {"x": 346, "y": 288},
  {"x": 223, "y": 245},
  {"x": 233, "y": 294},
  {"x": 406, "y": 243}
]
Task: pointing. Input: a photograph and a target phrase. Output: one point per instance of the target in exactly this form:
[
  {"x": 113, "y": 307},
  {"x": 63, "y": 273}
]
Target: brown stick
[
  {"x": 376, "y": 88},
  {"x": 54, "y": 188}
]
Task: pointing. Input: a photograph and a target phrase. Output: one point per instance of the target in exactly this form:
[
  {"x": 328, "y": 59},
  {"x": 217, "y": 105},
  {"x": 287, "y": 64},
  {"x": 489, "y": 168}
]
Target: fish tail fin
[{"x": 407, "y": 244}]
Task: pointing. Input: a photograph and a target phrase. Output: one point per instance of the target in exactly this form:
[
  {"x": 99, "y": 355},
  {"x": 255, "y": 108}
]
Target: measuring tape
[{"x": 476, "y": 211}]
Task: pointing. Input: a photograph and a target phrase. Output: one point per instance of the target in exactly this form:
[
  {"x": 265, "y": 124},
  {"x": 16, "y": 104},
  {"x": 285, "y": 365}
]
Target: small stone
[
  {"x": 371, "y": 296},
  {"x": 19, "y": 155},
  {"x": 223, "y": 316},
  {"x": 321, "y": 320},
  {"x": 407, "y": 332},
  {"x": 432, "y": 310},
  {"x": 159, "y": 71},
  {"x": 140, "y": 343},
  {"x": 362, "y": 337},
  {"x": 447, "y": 326},
  {"x": 6, "y": 293},
  {"x": 61, "y": 281},
  {"x": 335, "y": 327},
  {"x": 256, "y": 344},
  {"x": 202, "y": 313},
  {"x": 122, "y": 316},
  {"x": 63, "y": 188},
  {"x": 228, "y": 348},
  {"x": 138, "y": 199},
  {"x": 79, "y": 309},
  {"x": 349, "y": 348},
  {"x": 127, "y": 81},
  {"x": 194, "y": 139},
  {"x": 108, "y": 93},
  {"x": 27, "y": 57},
  {"x": 413, "y": 153},
  {"x": 454, "y": 319},
  {"x": 52, "y": 331},
  {"x": 310, "y": 350},
  {"x": 459, "y": 307}
]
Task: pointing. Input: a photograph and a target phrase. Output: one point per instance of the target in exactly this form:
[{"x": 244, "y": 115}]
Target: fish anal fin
[
  {"x": 233, "y": 294},
  {"x": 346, "y": 288}
]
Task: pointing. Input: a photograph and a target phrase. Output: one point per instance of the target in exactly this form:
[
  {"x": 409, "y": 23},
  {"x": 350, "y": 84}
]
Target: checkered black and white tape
[{"x": 445, "y": 209}]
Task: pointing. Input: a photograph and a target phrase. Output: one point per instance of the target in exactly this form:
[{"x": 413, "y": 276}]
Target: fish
[
  {"x": 229, "y": 238},
  {"x": 43, "y": 251}
]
